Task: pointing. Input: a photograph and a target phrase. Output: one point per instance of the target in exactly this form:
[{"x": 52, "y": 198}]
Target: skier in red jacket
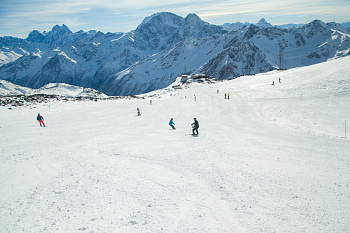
[{"x": 41, "y": 120}]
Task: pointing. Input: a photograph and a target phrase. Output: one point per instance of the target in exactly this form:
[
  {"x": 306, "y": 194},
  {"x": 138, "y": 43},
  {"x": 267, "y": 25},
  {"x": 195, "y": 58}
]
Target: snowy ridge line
[{"x": 30, "y": 100}]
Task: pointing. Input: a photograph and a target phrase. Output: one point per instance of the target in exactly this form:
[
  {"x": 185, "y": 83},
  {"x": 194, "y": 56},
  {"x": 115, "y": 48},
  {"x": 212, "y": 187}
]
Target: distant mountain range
[
  {"x": 264, "y": 24},
  {"x": 162, "y": 47}
]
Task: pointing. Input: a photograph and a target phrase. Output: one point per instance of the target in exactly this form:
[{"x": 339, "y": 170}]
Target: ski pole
[{"x": 345, "y": 129}]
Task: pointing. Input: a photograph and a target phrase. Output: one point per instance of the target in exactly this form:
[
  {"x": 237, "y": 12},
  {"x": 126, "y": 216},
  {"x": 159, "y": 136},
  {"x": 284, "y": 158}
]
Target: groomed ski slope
[{"x": 273, "y": 158}]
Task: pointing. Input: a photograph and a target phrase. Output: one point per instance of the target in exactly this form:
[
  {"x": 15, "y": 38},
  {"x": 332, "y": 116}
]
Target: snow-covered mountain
[
  {"x": 264, "y": 24},
  {"x": 8, "y": 88},
  {"x": 61, "y": 89},
  {"x": 162, "y": 47},
  {"x": 234, "y": 26}
]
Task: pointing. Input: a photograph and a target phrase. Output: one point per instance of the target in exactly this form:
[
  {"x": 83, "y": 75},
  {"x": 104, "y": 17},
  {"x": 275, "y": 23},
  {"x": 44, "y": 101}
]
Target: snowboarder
[
  {"x": 138, "y": 112},
  {"x": 228, "y": 96},
  {"x": 41, "y": 120},
  {"x": 171, "y": 123},
  {"x": 273, "y": 83},
  {"x": 195, "y": 126}
]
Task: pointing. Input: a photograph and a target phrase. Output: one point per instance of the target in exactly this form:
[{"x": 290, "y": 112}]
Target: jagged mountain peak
[
  {"x": 35, "y": 36},
  {"x": 154, "y": 29},
  {"x": 316, "y": 24},
  {"x": 161, "y": 18},
  {"x": 56, "y": 33},
  {"x": 169, "y": 22},
  {"x": 238, "y": 59},
  {"x": 195, "y": 27},
  {"x": 62, "y": 29},
  {"x": 194, "y": 20},
  {"x": 263, "y": 23},
  {"x": 192, "y": 17},
  {"x": 315, "y": 28},
  {"x": 251, "y": 31},
  {"x": 47, "y": 37}
]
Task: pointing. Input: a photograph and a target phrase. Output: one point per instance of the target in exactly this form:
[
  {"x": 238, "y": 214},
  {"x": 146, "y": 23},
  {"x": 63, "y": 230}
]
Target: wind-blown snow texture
[
  {"x": 162, "y": 47},
  {"x": 272, "y": 158}
]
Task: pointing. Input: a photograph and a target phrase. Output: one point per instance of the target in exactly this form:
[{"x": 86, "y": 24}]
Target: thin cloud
[{"x": 25, "y": 15}]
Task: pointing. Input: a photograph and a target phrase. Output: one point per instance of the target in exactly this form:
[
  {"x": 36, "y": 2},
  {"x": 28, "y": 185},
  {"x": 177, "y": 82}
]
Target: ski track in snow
[{"x": 270, "y": 159}]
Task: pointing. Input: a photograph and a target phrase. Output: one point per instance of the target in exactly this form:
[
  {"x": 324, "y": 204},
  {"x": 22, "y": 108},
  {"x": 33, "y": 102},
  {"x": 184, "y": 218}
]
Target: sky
[{"x": 19, "y": 17}]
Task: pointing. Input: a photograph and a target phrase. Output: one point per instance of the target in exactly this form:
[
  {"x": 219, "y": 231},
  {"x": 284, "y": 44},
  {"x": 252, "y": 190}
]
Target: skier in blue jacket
[{"x": 171, "y": 123}]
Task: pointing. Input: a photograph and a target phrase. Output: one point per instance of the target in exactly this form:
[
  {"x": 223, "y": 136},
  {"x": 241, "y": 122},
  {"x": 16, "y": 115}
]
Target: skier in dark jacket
[
  {"x": 171, "y": 123},
  {"x": 41, "y": 120},
  {"x": 195, "y": 126}
]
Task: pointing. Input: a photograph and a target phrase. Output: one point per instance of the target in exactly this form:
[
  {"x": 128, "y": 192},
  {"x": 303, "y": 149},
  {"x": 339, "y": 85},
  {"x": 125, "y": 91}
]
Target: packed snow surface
[{"x": 272, "y": 158}]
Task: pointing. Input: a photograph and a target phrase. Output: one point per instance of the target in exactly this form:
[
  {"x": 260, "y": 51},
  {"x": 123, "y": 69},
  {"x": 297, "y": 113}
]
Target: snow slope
[
  {"x": 62, "y": 89},
  {"x": 272, "y": 158},
  {"x": 8, "y": 88}
]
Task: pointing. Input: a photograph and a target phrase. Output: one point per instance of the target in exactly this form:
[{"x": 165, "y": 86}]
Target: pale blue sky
[{"x": 19, "y": 17}]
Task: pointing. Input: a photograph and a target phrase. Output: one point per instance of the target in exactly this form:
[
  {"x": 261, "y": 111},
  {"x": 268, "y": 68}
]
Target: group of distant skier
[
  {"x": 195, "y": 124},
  {"x": 227, "y": 95},
  {"x": 279, "y": 80}
]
